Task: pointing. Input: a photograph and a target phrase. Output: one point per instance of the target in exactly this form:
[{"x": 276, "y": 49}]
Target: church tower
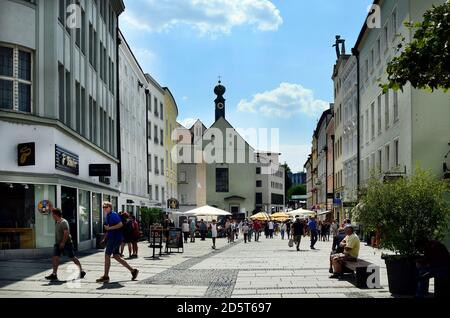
[{"x": 220, "y": 90}]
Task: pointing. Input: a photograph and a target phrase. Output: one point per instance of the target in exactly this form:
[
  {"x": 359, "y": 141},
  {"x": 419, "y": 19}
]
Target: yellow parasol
[
  {"x": 261, "y": 216},
  {"x": 280, "y": 216}
]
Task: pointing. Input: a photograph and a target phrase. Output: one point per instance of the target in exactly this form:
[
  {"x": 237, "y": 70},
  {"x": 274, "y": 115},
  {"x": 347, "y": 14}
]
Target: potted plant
[{"x": 404, "y": 211}]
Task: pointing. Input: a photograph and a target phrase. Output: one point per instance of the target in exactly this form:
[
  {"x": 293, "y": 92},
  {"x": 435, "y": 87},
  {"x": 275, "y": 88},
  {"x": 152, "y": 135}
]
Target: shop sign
[
  {"x": 100, "y": 170},
  {"x": 173, "y": 204},
  {"x": 66, "y": 161},
  {"x": 26, "y": 154}
]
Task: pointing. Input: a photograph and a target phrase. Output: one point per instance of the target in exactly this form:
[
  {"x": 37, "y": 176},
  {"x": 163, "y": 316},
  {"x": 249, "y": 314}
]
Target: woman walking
[{"x": 213, "y": 228}]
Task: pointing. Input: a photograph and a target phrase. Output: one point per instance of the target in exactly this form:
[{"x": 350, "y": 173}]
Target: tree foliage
[
  {"x": 297, "y": 190},
  {"x": 424, "y": 62},
  {"x": 406, "y": 210}
]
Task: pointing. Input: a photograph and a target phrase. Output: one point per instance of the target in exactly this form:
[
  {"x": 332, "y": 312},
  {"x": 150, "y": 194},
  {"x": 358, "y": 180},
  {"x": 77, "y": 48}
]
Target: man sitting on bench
[{"x": 351, "y": 251}]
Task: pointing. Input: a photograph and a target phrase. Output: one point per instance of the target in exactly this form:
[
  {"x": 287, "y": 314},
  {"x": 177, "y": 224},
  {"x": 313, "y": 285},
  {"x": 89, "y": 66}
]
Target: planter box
[{"x": 402, "y": 275}]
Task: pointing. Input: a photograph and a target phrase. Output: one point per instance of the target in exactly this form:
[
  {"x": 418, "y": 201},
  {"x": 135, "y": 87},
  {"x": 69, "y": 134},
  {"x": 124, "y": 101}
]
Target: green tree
[
  {"x": 424, "y": 62},
  {"x": 405, "y": 211},
  {"x": 297, "y": 190},
  {"x": 287, "y": 180}
]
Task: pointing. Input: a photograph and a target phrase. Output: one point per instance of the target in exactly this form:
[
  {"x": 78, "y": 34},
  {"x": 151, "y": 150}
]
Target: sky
[{"x": 275, "y": 59}]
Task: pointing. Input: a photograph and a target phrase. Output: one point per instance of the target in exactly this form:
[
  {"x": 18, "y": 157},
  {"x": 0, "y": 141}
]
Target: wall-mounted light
[
  {"x": 11, "y": 186},
  {"x": 26, "y": 186}
]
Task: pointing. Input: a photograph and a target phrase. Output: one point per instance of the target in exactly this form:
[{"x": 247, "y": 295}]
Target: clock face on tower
[{"x": 220, "y": 105}]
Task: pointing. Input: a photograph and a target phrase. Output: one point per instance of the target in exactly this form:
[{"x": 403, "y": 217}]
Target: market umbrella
[
  {"x": 280, "y": 216},
  {"x": 261, "y": 216},
  {"x": 206, "y": 211},
  {"x": 301, "y": 213}
]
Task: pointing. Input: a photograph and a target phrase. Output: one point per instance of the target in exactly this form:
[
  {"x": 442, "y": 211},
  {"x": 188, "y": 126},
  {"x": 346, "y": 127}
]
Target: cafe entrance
[{"x": 69, "y": 211}]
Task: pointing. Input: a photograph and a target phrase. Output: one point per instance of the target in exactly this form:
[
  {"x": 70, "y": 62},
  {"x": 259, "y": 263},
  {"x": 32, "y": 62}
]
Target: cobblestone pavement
[{"x": 255, "y": 270}]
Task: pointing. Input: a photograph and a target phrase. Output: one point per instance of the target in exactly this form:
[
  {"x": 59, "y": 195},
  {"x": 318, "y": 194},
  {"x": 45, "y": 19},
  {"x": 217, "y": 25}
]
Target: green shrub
[{"x": 406, "y": 210}]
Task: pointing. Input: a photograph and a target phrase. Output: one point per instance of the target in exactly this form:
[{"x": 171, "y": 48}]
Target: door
[{"x": 69, "y": 211}]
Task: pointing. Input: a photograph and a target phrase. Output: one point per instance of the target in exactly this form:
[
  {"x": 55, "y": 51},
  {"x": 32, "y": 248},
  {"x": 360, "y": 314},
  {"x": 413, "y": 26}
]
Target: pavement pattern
[{"x": 265, "y": 269}]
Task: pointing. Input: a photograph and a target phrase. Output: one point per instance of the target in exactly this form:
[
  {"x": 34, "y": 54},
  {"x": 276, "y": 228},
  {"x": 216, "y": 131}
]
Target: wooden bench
[{"x": 360, "y": 268}]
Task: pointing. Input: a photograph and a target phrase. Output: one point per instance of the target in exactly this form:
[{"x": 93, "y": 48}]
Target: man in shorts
[
  {"x": 114, "y": 238},
  {"x": 63, "y": 245},
  {"x": 351, "y": 251}
]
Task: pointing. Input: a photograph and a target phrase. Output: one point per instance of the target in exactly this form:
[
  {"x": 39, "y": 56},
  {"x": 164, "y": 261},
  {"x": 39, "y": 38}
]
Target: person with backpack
[
  {"x": 136, "y": 234},
  {"x": 127, "y": 231}
]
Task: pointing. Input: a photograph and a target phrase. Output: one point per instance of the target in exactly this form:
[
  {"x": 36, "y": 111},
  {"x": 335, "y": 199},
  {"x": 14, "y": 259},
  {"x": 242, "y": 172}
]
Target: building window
[
  {"x": 372, "y": 119},
  {"x": 379, "y": 114},
  {"x": 162, "y": 167},
  {"x": 155, "y": 103},
  {"x": 396, "y": 154},
  {"x": 84, "y": 215},
  {"x": 258, "y": 183},
  {"x": 150, "y": 192},
  {"x": 148, "y": 101},
  {"x": 380, "y": 159},
  {"x": 156, "y": 166},
  {"x": 161, "y": 107},
  {"x": 394, "y": 24},
  {"x": 149, "y": 160},
  {"x": 395, "y": 106},
  {"x": 163, "y": 194},
  {"x": 149, "y": 130},
  {"x": 258, "y": 199},
  {"x": 161, "y": 135},
  {"x": 388, "y": 162},
  {"x": 222, "y": 180},
  {"x": 182, "y": 177},
  {"x": 386, "y": 110},
  {"x": 156, "y": 193},
  {"x": 15, "y": 79},
  {"x": 156, "y": 134},
  {"x": 386, "y": 38},
  {"x": 258, "y": 170}
]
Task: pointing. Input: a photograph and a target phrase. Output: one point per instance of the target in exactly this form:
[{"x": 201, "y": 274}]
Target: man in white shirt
[{"x": 271, "y": 229}]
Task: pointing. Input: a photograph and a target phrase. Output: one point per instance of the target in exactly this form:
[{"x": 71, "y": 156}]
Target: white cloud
[
  {"x": 284, "y": 101},
  {"x": 144, "y": 56},
  {"x": 185, "y": 98},
  {"x": 295, "y": 156},
  {"x": 188, "y": 122},
  {"x": 205, "y": 16}
]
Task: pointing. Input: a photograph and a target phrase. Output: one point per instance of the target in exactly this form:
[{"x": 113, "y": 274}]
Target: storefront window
[
  {"x": 84, "y": 214},
  {"x": 106, "y": 198},
  {"x": 115, "y": 203},
  {"x": 25, "y": 216},
  {"x": 45, "y": 197},
  {"x": 97, "y": 225}
]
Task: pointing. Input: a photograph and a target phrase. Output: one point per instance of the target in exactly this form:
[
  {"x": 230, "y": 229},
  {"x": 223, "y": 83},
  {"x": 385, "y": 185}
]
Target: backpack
[{"x": 135, "y": 229}]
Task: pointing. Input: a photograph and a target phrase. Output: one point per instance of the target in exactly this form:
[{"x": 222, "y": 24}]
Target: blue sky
[{"x": 275, "y": 58}]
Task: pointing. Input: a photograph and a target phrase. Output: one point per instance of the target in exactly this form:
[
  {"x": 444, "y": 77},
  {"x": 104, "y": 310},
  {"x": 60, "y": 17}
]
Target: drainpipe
[
  {"x": 119, "y": 146},
  {"x": 355, "y": 52}
]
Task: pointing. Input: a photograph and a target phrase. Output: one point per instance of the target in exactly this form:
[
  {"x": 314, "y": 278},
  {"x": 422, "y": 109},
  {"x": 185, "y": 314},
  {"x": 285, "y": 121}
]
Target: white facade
[
  {"x": 396, "y": 128},
  {"x": 350, "y": 129},
  {"x": 156, "y": 150},
  {"x": 63, "y": 96},
  {"x": 133, "y": 131},
  {"x": 321, "y": 181},
  {"x": 270, "y": 182}
]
